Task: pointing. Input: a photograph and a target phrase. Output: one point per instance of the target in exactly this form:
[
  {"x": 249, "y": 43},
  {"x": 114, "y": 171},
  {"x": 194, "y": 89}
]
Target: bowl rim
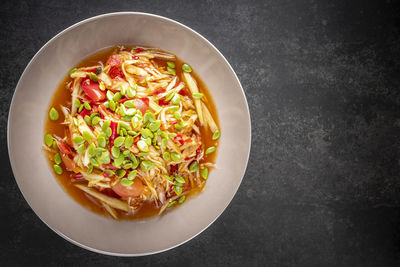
[{"x": 40, "y": 51}]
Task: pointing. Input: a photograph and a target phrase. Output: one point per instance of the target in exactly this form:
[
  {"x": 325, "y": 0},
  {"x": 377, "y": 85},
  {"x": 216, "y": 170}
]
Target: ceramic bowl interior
[{"x": 29, "y": 109}]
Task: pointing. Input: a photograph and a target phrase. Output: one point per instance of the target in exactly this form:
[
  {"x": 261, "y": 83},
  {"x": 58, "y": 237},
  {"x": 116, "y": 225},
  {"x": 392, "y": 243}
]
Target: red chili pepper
[
  {"x": 162, "y": 102},
  {"x": 106, "y": 174},
  {"x": 85, "y": 112},
  {"x": 173, "y": 168},
  {"x": 188, "y": 140},
  {"x": 138, "y": 50},
  {"x": 179, "y": 139},
  {"x": 137, "y": 138},
  {"x": 135, "y": 57},
  {"x": 158, "y": 91},
  {"x": 114, "y": 133},
  {"x": 77, "y": 177},
  {"x": 109, "y": 166},
  {"x": 184, "y": 92},
  {"x": 64, "y": 148},
  {"x": 198, "y": 150},
  {"x": 123, "y": 100}
]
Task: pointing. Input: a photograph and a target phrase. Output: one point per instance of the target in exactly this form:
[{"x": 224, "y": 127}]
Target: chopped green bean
[
  {"x": 48, "y": 140},
  {"x": 87, "y": 135},
  {"x": 128, "y": 141},
  {"x": 204, "y": 173},
  {"x": 57, "y": 158},
  {"x": 115, "y": 151},
  {"x": 154, "y": 126},
  {"x": 197, "y": 95},
  {"x": 176, "y": 99},
  {"x": 87, "y": 106},
  {"x": 102, "y": 86},
  {"x": 95, "y": 120},
  {"x": 130, "y": 92},
  {"x": 177, "y": 115},
  {"x": 186, "y": 68},
  {"x": 175, "y": 156},
  {"x": 171, "y": 204},
  {"x": 142, "y": 145},
  {"x": 119, "y": 141},
  {"x": 78, "y": 140},
  {"x": 132, "y": 175},
  {"x": 194, "y": 166},
  {"x": 120, "y": 173},
  {"x": 123, "y": 90},
  {"x": 146, "y": 133},
  {"x": 73, "y": 70},
  {"x": 171, "y": 70},
  {"x": 210, "y": 150},
  {"x": 117, "y": 97},
  {"x": 53, "y": 114},
  {"x": 166, "y": 156},
  {"x": 180, "y": 179},
  {"x": 178, "y": 189},
  {"x": 101, "y": 141},
  {"x": 126, "y": 182},
  {"x": 93, "y": 77},
  {"x": 181, "y": 199},
  {"x": 57, "y": 169},
  {"x": 216, "y": 135},
  {"x": 92, "y": 150},
  {"x": 146, "y": 165},
  {"x": 109, "y": 95},
  {"x": 81, "y": 148}
]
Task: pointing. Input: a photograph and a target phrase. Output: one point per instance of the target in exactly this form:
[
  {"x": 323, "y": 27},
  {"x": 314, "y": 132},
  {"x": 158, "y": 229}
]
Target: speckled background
[{"x": 322, "y": 81}]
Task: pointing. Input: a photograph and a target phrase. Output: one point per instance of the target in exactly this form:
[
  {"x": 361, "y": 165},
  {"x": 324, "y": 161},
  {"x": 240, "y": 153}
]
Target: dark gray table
[{"x": 322, "y": 79}]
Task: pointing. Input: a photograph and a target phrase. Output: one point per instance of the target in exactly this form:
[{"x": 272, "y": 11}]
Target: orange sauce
[{"x": 62, "y": 96}]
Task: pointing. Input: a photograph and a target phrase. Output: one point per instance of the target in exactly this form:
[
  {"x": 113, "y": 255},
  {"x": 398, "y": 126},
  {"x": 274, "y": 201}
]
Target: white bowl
[{"x": 26, "y": 130}]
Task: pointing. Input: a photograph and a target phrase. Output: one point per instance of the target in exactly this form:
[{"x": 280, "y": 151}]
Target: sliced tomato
[
  {"x": 92, "y": 90},
  {"x": 142, "y": 104},
  {"x": 114, "y": 60},
  {"x": 115, "y": 72},
  {"x": 69, "y": 163},
  {"x": 133, "y": 190}
]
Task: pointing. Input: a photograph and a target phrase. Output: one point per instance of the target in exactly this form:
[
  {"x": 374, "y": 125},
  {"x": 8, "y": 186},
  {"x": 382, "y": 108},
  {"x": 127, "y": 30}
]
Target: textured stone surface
[{"x": 322, "y": 82}]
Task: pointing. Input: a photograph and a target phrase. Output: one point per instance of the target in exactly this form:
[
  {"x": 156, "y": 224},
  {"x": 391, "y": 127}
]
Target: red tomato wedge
[
  {"x": 115, "y": 72},
  {"x": 114, "y": 60},
  {"x": 92, "y": 90},
  {"x": 133, "y": 190},
  {"x": 142, "y": 104}
]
